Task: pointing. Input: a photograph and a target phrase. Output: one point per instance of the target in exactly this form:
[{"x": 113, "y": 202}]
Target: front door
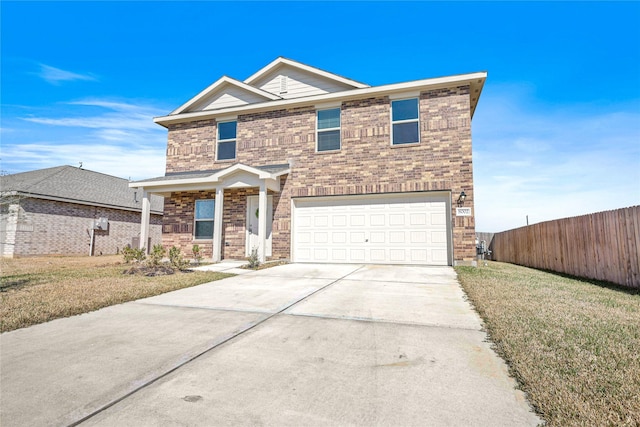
[{"x": 253, "y": 213}]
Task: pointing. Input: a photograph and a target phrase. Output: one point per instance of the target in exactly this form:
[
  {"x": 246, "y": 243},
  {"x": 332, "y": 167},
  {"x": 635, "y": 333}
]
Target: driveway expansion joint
[
  {"x": 391, "y": 322},
  {"x": 232, "y": 336}
]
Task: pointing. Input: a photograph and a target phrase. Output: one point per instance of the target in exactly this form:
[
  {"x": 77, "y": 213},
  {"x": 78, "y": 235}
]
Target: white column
[
  {"x": 262, "y": 221},
  {"x": 217, "y": 225},
  {"x": 144, "y": 220}
]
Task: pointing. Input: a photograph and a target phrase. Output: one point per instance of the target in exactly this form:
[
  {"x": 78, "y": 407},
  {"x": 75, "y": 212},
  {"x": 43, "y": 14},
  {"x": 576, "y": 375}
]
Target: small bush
[
  {"x": 176, "y": 260},
  {"x": 254, "y": 261},
  {"x": 197, "y": 256},
  {"x": 155, "y": 257},
  {"x": 130, "y": 254}
]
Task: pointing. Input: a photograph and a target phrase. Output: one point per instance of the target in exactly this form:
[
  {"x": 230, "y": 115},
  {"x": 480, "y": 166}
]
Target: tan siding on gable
[
  {"x": 299, "y": 84},
  {"x": 229, "y": 97}
]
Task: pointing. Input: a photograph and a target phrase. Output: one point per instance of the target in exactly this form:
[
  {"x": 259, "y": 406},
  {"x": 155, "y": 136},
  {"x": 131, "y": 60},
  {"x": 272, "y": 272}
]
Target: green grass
[
  {"x": 573, "y": 345},
  {"x": 36, "y": 290}
]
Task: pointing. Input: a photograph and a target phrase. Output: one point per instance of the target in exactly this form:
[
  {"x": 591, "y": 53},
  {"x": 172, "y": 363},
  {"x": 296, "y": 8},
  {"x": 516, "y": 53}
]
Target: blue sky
[{"x": 556, "y": 132}]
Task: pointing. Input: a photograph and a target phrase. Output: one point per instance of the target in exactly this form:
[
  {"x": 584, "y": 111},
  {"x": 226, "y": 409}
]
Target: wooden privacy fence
[{"x": 603, "y": 246}]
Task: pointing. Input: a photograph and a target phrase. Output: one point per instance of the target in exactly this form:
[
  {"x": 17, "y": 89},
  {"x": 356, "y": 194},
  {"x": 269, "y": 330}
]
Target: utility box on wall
[{"x": 101, "y": 224}]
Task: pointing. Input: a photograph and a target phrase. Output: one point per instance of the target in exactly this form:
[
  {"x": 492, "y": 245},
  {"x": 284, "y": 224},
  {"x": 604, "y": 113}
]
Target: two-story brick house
[{"x": 306, "y": 165}]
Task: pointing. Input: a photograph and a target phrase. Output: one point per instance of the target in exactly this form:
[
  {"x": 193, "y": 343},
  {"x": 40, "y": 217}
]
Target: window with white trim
[
  {"x": 328, "y": 132},
  {"x": 227, "y": 140},
  {"x": 405, "y": 122},
  {"x": 204, "y": 219}
]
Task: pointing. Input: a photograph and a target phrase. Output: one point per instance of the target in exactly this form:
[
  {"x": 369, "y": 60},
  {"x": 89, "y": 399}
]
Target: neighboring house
[
  {"x": 302, "y": 164},
  {"x": 66, "y": 210}
]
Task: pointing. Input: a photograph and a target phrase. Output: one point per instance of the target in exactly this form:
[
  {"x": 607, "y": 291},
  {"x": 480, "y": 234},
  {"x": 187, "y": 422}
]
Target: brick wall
[
  {"x": 366, "y": 163},
  {"x": 46, "y": 227}
]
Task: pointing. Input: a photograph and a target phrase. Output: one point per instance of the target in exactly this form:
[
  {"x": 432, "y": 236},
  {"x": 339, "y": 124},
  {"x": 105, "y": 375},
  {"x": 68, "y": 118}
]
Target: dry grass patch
[
  {"x": 573, "y": 345},
  {"x": 36, "y": 290}
]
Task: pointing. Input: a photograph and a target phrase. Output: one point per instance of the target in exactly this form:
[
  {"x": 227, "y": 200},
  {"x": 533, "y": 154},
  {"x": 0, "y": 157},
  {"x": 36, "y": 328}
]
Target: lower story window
[{"x": 204, "y": 219}]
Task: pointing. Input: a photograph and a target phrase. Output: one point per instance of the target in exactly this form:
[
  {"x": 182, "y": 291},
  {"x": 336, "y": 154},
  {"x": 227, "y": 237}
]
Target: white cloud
[
  {"x": 131, "y": 161},
  {"x": 117, "y": 138},
  {"x": 549, "y": 163},
  {"x": 55, "y": 75}
]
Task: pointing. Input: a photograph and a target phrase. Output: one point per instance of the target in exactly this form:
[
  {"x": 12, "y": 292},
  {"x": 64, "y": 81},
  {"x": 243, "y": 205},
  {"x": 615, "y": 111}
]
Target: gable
[
  {"x": 229, "y": 96},
  {"x": 225, "y": 93},
  {"x": 289, "y": 82}
]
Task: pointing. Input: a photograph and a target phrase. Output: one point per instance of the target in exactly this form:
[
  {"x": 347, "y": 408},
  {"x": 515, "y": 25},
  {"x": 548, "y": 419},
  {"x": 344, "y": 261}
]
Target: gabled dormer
[
  {"x": 291, "y": 79},
  {"x": 226, "y": 92}
]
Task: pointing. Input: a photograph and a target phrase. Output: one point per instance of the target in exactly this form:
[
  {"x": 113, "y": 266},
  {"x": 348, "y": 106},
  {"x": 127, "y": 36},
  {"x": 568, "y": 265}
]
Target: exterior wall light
[{"x": 461, "y": 198}]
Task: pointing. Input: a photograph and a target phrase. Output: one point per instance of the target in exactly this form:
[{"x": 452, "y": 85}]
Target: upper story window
[
  {"x": 405, "y": 122},
  {"x": 204, "y": 219},
  {"x": 328, "y": 129},
  {"x": 227, "y": 140}
]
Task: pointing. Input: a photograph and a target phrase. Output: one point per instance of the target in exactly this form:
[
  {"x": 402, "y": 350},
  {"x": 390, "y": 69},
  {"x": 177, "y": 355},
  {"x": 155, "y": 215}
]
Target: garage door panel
[
  {"x": 397, "y": 219},
  {"x": 321, "y": 220},
  {"x": 377, "y": 237},
  {"x": 438, "y": 256},
  {"x": 339, "y": 220},
  {"x": 418, "y": 219},
  {"x": 397, "y": 237},
  {"x": 303, "y": 221},
  {"x": 438, "y": 219},
  {"x": 304, "y": 237},
  {"x": 382, "y": 229},
  {"x": 377, "y": 220},
  {"x": 339, "y": 255},
  {"x": 357, "y": 220},
  {"x": 321, "y": 254},
  {"x": 338, "y": 237},
  {"x": 438, "y": 237},
  {"x": 357, "y": 255},
  {"x": 357, "y": 237},
  {"x": 419, "y": 256},
  {"x": 321, "y": 237},
  {"x": 418, "y": 237}
]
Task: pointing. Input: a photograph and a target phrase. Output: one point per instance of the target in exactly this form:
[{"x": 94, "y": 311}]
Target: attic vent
[{"x": 283, "y": 84}]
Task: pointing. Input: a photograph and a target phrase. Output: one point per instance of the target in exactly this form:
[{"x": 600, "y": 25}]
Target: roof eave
[
  {"x": 477, "y": 78},
  {"x": 81, "y": 202}
]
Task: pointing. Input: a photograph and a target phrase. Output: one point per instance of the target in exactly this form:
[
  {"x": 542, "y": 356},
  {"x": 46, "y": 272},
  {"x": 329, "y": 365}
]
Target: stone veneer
[{"x": 367, "y": 163}]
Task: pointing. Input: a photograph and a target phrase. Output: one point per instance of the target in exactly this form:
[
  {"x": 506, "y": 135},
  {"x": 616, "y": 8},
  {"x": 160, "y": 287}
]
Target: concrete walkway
[{"x": 290, "y": 345}]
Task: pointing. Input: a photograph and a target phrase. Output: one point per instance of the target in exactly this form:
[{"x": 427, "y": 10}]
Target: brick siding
[
  {"x": 47, "y": 227},
  {"x": 365, "y": 164}
]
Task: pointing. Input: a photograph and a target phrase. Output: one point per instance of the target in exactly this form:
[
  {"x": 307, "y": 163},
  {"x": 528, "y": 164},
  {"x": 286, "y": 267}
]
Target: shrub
[
  {"x": 155, "y": 257},
  {"x": 176, "y": 260},
  {"x": 197, "y": 256},
  {"x": 254, "y": 261},
  {"x": 130, "y": 254}
]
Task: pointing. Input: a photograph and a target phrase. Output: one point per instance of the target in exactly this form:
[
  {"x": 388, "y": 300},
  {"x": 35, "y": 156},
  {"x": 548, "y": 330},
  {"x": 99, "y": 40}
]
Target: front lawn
[
  {"x": 36, "y": 290},
  {"x": 573, "y": 345}
]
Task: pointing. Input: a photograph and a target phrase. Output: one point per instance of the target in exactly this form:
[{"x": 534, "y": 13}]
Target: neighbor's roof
[{"x": 74, "y": 185}]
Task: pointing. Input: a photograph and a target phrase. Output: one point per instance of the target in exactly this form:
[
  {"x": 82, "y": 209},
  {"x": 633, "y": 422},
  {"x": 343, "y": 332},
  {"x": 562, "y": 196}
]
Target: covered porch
[{"x": 238, "y": 176}]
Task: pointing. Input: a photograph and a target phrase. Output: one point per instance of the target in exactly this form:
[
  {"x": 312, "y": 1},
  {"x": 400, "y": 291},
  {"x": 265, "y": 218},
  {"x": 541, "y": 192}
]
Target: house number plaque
[{"x": 463, "y": 211}]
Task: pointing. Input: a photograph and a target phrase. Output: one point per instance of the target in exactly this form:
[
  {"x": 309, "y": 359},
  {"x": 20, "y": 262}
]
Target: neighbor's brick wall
[
  {"x": 46, "y": 227},
  {"x": 366, "y": 163}
]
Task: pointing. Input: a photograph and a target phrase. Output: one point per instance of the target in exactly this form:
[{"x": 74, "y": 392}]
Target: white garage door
[{"x": 393, "y": 229}]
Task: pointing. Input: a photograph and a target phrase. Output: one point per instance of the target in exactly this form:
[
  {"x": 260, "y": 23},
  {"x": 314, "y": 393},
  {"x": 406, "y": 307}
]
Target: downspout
[{"x": 92, "y": 234}]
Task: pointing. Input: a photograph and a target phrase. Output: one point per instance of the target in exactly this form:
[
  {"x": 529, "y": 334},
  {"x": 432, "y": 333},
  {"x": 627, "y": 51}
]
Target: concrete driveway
[{"x": 296, "y": 345}]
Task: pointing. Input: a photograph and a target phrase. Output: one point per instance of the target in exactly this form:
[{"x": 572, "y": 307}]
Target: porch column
[
  {"x": 217, "y": 225},
  {"x": 262, "y": 221},
  {"x": 144, "y": 220}
]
